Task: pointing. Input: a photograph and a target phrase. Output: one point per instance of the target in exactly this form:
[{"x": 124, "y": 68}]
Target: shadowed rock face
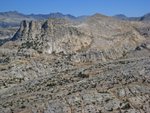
[{"x": 98, "y": 65}]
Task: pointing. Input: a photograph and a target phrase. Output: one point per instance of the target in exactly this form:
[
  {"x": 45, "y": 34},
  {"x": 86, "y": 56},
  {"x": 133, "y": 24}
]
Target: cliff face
[
  {"x": 107, "y": 37},
  {"x": 52, "y": 36}
]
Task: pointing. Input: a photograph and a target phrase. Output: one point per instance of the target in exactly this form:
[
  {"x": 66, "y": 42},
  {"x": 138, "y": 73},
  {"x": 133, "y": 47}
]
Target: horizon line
[{"x": 69, "y": 13}]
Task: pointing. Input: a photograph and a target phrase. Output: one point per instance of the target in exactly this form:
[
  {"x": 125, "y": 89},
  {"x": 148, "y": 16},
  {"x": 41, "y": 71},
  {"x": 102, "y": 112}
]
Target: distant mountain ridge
[
  {"x": 145, "y": 17},
  {"x": 121, "y": 16},
  {"x": 13, "y": 18},
  {"x": 51, "y": 15}
]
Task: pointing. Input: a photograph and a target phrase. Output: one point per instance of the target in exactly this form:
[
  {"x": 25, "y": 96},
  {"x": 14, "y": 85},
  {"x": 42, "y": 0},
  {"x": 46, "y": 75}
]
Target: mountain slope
[{"x": 97, "y": 65}]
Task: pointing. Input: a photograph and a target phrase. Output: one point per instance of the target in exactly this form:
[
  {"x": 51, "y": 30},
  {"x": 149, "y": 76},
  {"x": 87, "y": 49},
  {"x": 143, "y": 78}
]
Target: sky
[{"x": 78, "y": 7}]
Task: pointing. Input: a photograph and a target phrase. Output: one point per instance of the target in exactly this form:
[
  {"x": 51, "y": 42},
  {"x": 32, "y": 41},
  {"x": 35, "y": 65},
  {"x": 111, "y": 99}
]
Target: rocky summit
[{"x": 98, "y": 64}]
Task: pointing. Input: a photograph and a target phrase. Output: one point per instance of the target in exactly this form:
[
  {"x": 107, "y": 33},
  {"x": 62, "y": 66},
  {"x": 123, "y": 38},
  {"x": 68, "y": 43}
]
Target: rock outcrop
[
  {"x": 99, "y": 65},
  {"x": 100, "y": 34}
]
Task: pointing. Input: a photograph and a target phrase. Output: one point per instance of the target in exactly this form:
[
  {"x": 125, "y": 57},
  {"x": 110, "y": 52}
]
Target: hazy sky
[{"x": 78, "y": 7}]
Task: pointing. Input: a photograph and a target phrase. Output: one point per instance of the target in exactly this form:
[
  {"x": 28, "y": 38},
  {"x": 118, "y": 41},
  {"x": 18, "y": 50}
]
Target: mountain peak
[
  {"x": 98, "y": 15},
  {"x": 121, "y": 16}
]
